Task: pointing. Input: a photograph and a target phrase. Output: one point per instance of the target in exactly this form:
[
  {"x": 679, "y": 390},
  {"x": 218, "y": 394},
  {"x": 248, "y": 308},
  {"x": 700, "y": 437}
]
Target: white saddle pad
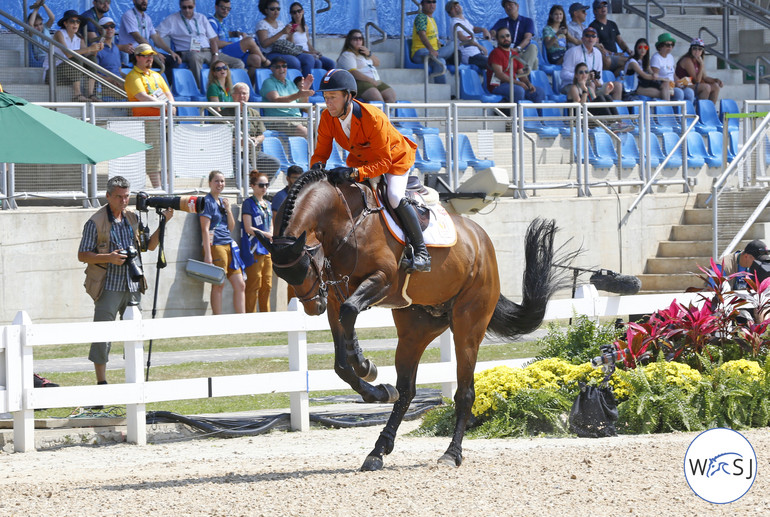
[{"x": 440, "y": 233}]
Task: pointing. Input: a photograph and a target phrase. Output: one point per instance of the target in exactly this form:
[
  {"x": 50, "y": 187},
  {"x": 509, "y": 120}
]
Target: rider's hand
[
  {"x": 342, "y": 174},
  {"x": 318, "y": 165}
]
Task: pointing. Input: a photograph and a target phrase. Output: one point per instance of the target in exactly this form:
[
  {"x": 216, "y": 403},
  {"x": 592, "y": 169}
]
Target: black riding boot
[{"x": 420, "y": 256}]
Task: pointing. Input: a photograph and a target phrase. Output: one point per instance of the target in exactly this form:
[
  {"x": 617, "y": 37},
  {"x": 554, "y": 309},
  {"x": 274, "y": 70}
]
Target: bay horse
[{"x": 334, "y": 248}]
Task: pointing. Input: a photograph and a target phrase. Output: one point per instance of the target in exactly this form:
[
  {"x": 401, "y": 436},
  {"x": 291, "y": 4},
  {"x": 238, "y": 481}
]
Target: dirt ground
[{"x": 316, "y": 473}]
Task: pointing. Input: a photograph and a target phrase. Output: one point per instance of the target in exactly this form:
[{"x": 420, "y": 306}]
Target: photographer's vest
[{"x": 96, "y": 274}]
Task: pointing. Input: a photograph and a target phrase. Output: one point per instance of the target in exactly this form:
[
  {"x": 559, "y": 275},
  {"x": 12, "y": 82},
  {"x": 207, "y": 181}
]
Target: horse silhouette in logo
[{"x": 717, "y": 465}]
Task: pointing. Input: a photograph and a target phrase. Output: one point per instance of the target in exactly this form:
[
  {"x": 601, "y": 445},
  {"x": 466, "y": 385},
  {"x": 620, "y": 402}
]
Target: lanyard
[
  {"x": 585, "y": 57},
  {"x": 140, "y": 22},
  {"x": 187, "y": 25},
  {"x": 264, "y": 212},
  {"x": 146, "y": 80},
  {"x": 516, "y": 31}
]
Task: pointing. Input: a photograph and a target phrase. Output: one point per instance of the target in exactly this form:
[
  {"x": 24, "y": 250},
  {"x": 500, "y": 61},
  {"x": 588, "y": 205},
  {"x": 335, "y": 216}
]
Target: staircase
[{"x": 690, "y": 242}]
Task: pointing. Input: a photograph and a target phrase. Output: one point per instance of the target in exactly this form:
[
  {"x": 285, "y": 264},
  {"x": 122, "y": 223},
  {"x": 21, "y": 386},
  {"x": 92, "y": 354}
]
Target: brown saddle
[{"x": 413, "y": 189}]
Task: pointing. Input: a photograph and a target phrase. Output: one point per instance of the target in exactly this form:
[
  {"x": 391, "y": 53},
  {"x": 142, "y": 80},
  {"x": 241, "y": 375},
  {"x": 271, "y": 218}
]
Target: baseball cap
[
  {"x": 144, "y": 50},
  {"x": 577, "y": 6},
  {"x": 589, "y": 31},
  {"x": 697, "y": 42},
  {"x": 106, "y": 20},
  {"x": 599, "y": 3},
  {"x": 449, "y": 5},
  {"x": 758, "y": 250}
]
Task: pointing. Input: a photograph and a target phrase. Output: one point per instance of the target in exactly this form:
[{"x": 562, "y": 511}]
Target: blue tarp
[{"x": 343, "y": 16}]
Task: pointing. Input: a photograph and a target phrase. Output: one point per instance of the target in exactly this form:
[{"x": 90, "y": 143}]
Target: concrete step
[
  {"x": 691, "y": 232},
  {"x": 684, "y": 249},
  {"x": 698, "y": 216},
  {"x": 21, "y": 75},
  {"x": 10, "y": 58},
  {"x": 672, "y": 283},
  {"x": 675, "y": 265},
  {"x": 10, "y": 41}
]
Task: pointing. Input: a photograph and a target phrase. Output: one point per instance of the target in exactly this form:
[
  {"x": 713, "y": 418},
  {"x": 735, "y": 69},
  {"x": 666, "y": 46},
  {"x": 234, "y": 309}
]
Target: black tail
[{"x": 540, "y": 282}]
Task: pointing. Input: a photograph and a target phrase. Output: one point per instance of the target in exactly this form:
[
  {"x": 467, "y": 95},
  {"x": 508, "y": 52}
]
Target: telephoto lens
[{"x": 191, "y": 204}]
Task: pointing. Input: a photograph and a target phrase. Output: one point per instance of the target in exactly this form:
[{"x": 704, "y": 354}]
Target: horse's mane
[{"x": 309, "y": 177}]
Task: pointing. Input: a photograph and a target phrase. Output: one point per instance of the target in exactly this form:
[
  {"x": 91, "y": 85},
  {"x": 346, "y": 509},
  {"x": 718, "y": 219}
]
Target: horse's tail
[{"x": 540, "y": 282}]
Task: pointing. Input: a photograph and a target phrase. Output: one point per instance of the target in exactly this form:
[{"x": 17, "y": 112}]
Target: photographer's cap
[
  {"x": 758, "y": 250},
  {"x": 577, "y": 6}
]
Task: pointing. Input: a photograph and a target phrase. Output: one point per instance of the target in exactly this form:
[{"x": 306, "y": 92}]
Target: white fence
[{"x": 17, "y": 342}]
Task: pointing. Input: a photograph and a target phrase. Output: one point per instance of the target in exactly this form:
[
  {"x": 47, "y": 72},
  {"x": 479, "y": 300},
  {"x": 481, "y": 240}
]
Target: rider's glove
[
  {"x": 342, "y": 174},
  {"x": 318, "y": 165}
]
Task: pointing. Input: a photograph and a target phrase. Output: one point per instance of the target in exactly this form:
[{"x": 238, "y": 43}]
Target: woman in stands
[
  {"x": 299, "y": 37},
  {"x": 555, "y": 35},
  {"x": 269, "y": 30},
  {"x": 69, "y": 37},
  {"x": 362, "y": 64},
  {"x": 648, "y": 83},
  {"x": 662, "y": 64},
  {"x": 691, "y": 66},
  {"x": 220, "y": 84},
  {"x": 583, "y": 90}
]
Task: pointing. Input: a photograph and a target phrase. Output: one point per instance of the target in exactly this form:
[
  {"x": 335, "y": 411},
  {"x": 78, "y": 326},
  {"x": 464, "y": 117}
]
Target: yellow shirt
[
  {"x": 423, "y": 22},
  {"x": 137, "y": 81}
]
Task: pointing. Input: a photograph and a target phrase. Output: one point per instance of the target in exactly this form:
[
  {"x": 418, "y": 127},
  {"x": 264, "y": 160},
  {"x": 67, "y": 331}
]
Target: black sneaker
[{"x": 42, "y": 382}]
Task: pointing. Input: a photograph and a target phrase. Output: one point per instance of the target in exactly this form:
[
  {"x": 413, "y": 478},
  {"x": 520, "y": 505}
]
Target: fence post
[
  {"x": 299, "y": 400},
  {"x": 21, "y": 380},
  {"x": 447, "y": 347},
  {"x": 136, "y": 414}
]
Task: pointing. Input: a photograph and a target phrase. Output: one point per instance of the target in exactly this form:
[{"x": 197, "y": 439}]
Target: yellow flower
[{"x": 741, "y": 368}]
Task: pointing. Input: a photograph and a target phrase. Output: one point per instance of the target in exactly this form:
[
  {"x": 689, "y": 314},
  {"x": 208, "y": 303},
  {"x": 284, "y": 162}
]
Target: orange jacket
[{"x": 375, "y": 146}]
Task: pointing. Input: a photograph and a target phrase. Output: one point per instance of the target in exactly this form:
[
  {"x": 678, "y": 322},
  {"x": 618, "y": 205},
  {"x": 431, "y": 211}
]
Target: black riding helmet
[{"x": 338, "y": 79}]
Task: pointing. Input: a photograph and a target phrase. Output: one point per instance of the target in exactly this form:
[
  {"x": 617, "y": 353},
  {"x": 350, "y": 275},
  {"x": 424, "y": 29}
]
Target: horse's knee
[{"x": 348, "y": 315}]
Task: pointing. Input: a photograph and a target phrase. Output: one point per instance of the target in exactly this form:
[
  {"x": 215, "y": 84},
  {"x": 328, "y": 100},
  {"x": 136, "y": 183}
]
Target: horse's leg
[
  {"x": 364, "y": 368},
  {"x": 416, "y": 330},
  {"x": 368, "y": 292}
]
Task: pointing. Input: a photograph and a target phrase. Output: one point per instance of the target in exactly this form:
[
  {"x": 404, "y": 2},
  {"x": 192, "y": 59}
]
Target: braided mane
[{"x": 309, "y": 177}]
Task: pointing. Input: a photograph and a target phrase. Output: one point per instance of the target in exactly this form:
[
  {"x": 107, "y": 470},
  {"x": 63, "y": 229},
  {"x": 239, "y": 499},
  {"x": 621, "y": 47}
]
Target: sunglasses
[
  {"x": 357, "y": 37},
  {"x": 429, "y": 1},
  {"x": 260, "y": 185},
  {"x": 581, "y": 72},
  {"x": 643, "y": 47},
  {"x": 589, "y": 36},
  {"x": 296, "y": 11},
  {"x": 279, "y": 65},
  {"x": 273, "y": 8},
  {"x": 669, "y": 44},
  {"x": 697, "y": 47},
  {"x": 220, "y": 68},
  {"x": 109, "y": 26}
]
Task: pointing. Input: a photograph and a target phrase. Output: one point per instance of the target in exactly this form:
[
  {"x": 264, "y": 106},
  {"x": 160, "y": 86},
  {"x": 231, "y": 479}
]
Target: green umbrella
[{"x": 33, "y": 134}]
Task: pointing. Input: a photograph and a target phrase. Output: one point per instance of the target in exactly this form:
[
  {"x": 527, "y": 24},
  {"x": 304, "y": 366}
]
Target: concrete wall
[{"x": 40, "y": 273}]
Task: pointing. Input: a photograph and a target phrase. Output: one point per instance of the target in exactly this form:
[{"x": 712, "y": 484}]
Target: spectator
[
  {"x": 109, "y": 56},
  {"x": 269, "y": 31},
  {"x": 145, "y": 85},
  {"x": 292, "y": 174},
  {"x": 257, "y": 217},
  {"x": 522, "y": 31},
  {"x": 91, "y": 18},
  {"x": 584, "y": 90},
  {"x": 555, "y": 35},
  {"x": 471, "y": 51},
  {"x": 425, "y": 41},
  {"x": 69, "y": 37},
  {"x": 265, "y": 163},
  {"x": 37, "y": 54},
  {"x": 137, "y": 28},
  {"x": 587, "y": 53},
  {"x": 648, "y": 83},
  {"x": 662, "y": 65},
  {"x": 108, "y": 237},
  {"x": 609, "y": 39},
  {"x": 235, "y": 43},
  {"x": 193, "y": 36},
  {"x": 362, "y": 64},
  {"x": 277, "y": 88},
  {"x": 298, "y": 36},
  {"x": 692, "y": 70},
  {"x": 217, "y": 222},
  {"x": 577, "y": 24},
  {"x": 220, "y": 83},
  {"x": 498, "y": 73}
]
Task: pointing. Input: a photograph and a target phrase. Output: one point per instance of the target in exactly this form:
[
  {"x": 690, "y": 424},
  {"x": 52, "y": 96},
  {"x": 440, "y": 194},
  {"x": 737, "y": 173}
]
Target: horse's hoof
[
  {"x": 450, "y": 461},
  {"x": 391, "y": 392},
  {"x": 371, "y": 463},
  {"x": 371, "y": 372}
]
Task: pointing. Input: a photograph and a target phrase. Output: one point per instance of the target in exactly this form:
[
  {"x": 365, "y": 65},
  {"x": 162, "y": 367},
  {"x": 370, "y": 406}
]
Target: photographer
[
  {"x": 754, "y": 259},
  {"x": 111, "y": 246}
]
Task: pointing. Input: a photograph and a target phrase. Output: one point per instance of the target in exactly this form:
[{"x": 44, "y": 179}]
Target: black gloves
[
  {"x": 339, "y": 175},
  {"x": 318, "y": 165}
]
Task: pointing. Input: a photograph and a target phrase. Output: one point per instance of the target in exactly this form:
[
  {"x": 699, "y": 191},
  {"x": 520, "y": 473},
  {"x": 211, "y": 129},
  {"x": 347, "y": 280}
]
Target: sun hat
[
  {"x": 144, "y": 49},
  {"x": 665, "y": 38},
  {"x": 68, "y": 15}
]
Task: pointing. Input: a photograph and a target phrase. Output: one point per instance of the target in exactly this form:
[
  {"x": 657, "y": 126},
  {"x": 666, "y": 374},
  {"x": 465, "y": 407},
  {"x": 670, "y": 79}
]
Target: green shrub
[
  {"x": 580, "y": 342},
  {"x": 527, "y": 412}
]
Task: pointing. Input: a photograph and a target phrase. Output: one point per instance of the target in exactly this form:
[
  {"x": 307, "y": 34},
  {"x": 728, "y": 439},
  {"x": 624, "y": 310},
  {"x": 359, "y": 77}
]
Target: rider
[{"x": 376, "y": 149}]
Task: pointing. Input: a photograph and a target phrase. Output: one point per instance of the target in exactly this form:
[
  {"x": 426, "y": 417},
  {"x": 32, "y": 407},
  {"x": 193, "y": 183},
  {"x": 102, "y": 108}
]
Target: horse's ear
[
  {"x": 264, "y": 241},
  {"x": 299, "y": 244}
]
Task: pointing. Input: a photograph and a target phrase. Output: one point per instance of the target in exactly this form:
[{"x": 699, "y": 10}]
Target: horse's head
[{"x": 293, "y": 261}]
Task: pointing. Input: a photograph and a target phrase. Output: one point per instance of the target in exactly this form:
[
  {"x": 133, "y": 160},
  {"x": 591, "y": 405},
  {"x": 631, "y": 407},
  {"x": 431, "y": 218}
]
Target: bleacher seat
[
  {"x": 556, "y": 121},
  {"x": 414, "y": 125},
  {"x": 708, "y": 120},
  {"x": 556, "y": 80},
  {"x": 532, "y": 125},
  {"x": 466, "y": 153},
  {"x": 629, "y": 148},
  {"x": 241, "y": 75},
  {"x": 425, "y": 166},
  {"x": 605, "y": 148},
  {"x": 470, "y": 88},
  {"x": 318, "y": 74},
  {"x": 729, "y": 106},
  {"x": 669, "y": 141},
  {"x": 185, "y": 87},
  {"x": 293, "y": 73},
  {"x": 407, "y": 51},
  {"x": 540, "y": 79},
  {"x": 600, "y": 162},
  {"x": 433, "y": 150},
  {"x": 623, "y": 110},
  {"x": 272, "y": 146},
  {"x": 630, "y": 82},
  {"x": 298, "y": 151},
  {"x": 182, "y": 112},
  {"x": 608, "y": 76},
  {"x": 543, "y": 64},
  {"x": 336, "y": 158},
  {"x": 657, "y": 156},
  {"x": 664, "y": 120},
  {"x": 735, "y": 142},
  {"x": 696, "y": 151},
  {"x": 260, "y": 75},
  {"x": 716, "y": 147}
]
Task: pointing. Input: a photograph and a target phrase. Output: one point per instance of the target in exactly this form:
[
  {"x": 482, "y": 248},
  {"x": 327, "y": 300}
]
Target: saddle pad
[{"x": 441, "y": 232}]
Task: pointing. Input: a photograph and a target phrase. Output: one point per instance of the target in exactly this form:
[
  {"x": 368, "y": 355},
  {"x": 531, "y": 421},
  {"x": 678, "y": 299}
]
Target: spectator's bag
[
  {"x": 284, "y": 46},
  {"x": 594, "y": 413}
]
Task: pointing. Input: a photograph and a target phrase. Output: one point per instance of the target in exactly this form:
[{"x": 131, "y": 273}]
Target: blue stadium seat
[
  {"x": 470, "y": 88},
  {"x": 182, "y": 112},
  {"x": 708, "y": 119},
  {"x": 540, "y": 79},
  {"x": 336, "y": 157},
  {"x": 204, "y": 80},
  {"x": 185, "y": 87},
  {"x": 716, "y": 147},
  {"x": 293, "y": 73},
  {"x": 272, "y": 146},
  {"x": 729, "y": 106},
  {"x": 557, "y": 122},
  {"x": 669, "y": 141},
  {"x": 605, "y": 148},
  {"x": 425, "y": 165},
  {"x": 240, "y": 75},
  {"x": 556, "y": 79},
  {"x": 537, "y": 126},
  {"x": 260, "y": 74},
  {"x": 656, "y": 154},
  {"x": 664, "y": 120},
  {"x": 413, "y": 125},
  {"x": 735, "y": 142},
  {"x": 608, "y": 76},
  {"x": 629, "y": 149},
  {"x": 407, "y": 52},
  {"x": 433, "y": 150},
  {"x": 467, "y": 154},
  {"x": 543, "y": 64},
  {"x": 623, "y": 110},
  {"x": 630, "y": 82},
  {"x": 298, "y": 151},
  {"x": 318, "y": 74},
  {"x": 601, "y": 162},
  {"x": 696, "y": 151}
]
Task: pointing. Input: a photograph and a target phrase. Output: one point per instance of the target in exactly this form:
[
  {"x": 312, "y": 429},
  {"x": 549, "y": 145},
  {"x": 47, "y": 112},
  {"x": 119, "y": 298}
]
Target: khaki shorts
[
  {"x": 222, "y": 256},
  {"x": 365, "y": 85}
]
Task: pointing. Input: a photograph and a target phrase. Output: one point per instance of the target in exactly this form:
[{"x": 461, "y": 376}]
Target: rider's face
[{"x": 335, "y": 102}]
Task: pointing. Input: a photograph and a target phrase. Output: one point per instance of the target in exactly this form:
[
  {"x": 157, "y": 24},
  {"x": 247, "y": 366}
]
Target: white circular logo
[{"x": 720, "y": 465}]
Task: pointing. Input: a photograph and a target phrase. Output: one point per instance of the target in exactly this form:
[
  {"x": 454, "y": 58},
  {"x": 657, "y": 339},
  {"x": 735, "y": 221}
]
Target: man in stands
[
  {"x": 609, "y": 39},
  {"x": 522, "y": 29},
  {"x": 266, "y": 164},
  {"x": 590, "y": 55},
  {"x": 498, "y": 72},
  {"x": 94, "y": 14},
  {"x": 471, "y": 51},
  {"x": 192, "y": 35},
  {"x": 277, "y": 88},
  {"x": 136, "y": 27},
  {"x": 235, "y": 43},
  {"x": 145, "y": 85},
  {"x": 425, "y": 40},
  {"x": 577, "y": 25}
]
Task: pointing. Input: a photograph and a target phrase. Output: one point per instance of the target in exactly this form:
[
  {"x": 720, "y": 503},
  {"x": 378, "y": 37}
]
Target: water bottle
[{"x": 608, "y": 358}]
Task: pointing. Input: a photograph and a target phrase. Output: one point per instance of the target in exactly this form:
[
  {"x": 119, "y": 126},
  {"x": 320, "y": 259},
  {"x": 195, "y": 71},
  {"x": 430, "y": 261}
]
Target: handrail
[
  {"x": 457, "y": 60},
  {"x": 756, "y": 74},
  {"x": 378, "y": 29},
  {"x": 312, "y": 17},
  {"x": 82, "y": 66}
]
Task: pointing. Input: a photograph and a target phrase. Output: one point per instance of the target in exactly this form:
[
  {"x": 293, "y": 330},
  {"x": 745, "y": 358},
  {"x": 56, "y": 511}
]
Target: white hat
[{"x": 105, "y": 20}]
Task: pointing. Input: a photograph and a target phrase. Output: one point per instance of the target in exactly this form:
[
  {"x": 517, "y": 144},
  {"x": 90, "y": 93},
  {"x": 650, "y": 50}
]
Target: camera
[
  {"x": 761, "y": 269},
  {"x": 593, "y": 75},
  {"x": 134, "y": 262},
  {"x": 191, "y": 204}
]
